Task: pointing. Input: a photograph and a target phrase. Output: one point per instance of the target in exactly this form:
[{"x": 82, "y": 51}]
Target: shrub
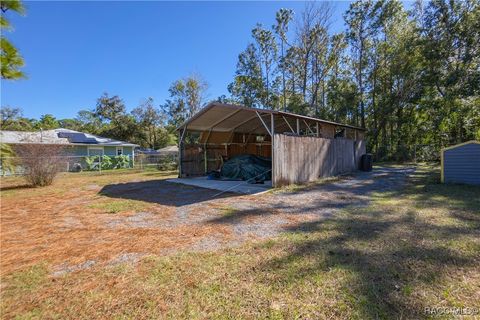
[
  {"x": 106, "y": 163},
  {"x": 122, "y": 161},
  {"x": 41, "y": 162},
  {"x": 92, "y": 162},
  {"x": 167, "y": 164}
]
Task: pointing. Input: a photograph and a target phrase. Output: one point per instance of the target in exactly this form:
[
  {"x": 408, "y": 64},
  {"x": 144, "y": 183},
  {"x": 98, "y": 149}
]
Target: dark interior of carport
[{"x": 221, "y": 131}]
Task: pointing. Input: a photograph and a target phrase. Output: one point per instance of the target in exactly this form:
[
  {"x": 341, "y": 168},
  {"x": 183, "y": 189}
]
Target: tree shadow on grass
[
  {"x": 388, "y": 259},
  {"x": 398, "y": 261}
]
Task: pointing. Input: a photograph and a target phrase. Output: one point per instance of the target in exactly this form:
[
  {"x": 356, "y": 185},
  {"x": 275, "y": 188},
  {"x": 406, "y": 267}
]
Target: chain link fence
[
  {"x": 10, "y": 166},
  {"x": 167, "y": 162}
]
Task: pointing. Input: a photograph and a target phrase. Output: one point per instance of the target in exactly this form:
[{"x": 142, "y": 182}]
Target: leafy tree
[
  {"x": 267, "y": 49},
  {"x": 8, "y": 114},
  {"x": 47, "y": 122},
  {"x": 283, "y": 18},
  {"x": 109, "y": 108},
  {"x": 72, "y": 124},
  {"x": 450, "y": 44},
  {"x": 10, "y": 59},
  {"x": 12, "y": 119},
  {"x": 359, "y": 19},
  {"x": 89, "y": 122},
  {"x": 149, "y": 118},
  {"x": 247, "y": 86},
  {"x": 110, "y": 112},
  {"x": 187, "y": 96}
]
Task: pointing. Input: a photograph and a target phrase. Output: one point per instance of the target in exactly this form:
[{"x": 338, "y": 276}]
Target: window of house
[
  {"x": 95, "y": 151},
  {"x": 119, "y": 151}
]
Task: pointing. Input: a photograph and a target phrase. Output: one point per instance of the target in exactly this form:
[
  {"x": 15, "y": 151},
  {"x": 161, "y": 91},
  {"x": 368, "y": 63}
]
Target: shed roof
[
  {"x": 461, "y": 144},
  {"x": 59, "y": 136},
  {"x": 228, "y": 117}
]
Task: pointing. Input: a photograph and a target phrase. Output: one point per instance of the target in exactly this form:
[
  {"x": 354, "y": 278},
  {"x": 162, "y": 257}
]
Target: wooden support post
[
  {"x": 180, "y": 152},
  {"x": 308, "y": 127},
  {"x": 291, "y": 129},
  {"x": 298, "y": 126},
  {"x": 263, "y": 122},
  {"x": 230, "y": 138},
  {"x": 205, "y": 158},
  {"x": 208, "y": 136},
  {"x": 318, "y": 129},
  {"x": 272, "y": 126}
]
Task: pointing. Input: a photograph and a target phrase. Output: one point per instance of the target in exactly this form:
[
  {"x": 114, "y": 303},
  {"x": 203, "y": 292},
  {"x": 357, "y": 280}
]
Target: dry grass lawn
[{"x": 406, "y": 250}]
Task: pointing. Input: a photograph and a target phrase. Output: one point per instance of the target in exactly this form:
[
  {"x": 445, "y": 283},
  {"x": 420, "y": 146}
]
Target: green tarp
[{"x": 247, "y": 167}]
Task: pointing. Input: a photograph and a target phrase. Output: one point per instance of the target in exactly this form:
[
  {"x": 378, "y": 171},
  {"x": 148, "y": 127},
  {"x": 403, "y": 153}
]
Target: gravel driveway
[{"x": 273, "y": 213}]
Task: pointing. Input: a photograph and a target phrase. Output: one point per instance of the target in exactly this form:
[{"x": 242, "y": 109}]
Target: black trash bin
[{"x": 366, "y": 163}]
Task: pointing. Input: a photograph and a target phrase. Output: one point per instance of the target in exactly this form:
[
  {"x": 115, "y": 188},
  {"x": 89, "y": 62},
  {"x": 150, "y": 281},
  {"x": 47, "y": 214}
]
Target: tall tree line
[{"x": 410, "y": 76}]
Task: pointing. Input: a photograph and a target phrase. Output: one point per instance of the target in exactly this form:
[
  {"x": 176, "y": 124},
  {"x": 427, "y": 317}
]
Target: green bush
[
  {"x": 107, "y": 163},
  {"x": 167, "y": 164},
  {"x": 92, "y": 162},
  {"x": 122, "y": 161}
]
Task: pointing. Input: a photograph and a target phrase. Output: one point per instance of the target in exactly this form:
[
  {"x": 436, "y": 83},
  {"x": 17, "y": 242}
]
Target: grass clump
[
  {"x": 228, "y": 211},
  {"x": 116, "y": 206}
]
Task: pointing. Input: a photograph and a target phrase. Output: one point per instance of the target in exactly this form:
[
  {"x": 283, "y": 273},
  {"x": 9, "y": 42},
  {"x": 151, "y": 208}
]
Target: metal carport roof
[{"x": 240, "y": 119}]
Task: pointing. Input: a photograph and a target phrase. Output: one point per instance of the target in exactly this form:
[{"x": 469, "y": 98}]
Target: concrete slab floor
[{"x": 242, "y": 187}]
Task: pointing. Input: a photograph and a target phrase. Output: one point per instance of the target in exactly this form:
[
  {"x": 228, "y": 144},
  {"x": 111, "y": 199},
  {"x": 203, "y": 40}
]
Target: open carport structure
[{"x": 302, "y": 148}]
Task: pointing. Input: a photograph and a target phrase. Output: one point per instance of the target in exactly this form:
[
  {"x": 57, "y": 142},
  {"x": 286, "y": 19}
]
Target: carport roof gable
[{"x": 232, "y": 115}]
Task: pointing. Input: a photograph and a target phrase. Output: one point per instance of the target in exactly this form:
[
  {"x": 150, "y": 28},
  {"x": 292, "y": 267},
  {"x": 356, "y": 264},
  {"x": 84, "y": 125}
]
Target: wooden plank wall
[
  {"x": 192, "y": 160},
  {"x": 193, "y": 155},
  {"x": 303, "y": 159}
]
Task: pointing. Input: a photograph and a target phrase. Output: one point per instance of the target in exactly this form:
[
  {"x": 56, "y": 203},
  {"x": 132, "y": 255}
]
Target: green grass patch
[
  {"x": 116, "y": 206},
  {"x": 228, "y": 211},
  {"x": 30, "y": 279},
  {"x": 292, "y": 188}
]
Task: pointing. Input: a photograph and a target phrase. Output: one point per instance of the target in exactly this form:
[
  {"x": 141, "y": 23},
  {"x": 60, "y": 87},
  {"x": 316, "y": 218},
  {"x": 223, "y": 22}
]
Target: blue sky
[{"x": 75, "y": 51}]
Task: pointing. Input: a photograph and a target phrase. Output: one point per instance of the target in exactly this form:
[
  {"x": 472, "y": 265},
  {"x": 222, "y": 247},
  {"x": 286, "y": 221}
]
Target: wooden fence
[{"x": 303, "y": 159}]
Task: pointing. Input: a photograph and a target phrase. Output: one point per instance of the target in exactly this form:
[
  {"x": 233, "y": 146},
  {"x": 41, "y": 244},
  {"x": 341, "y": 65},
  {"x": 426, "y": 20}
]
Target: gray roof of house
[
  {"x": 59, "y": 136},
  {"x": 168, "y": 150}
]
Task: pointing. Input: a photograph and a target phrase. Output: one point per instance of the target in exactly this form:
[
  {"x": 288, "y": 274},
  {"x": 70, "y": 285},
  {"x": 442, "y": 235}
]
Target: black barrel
[{"x": 366, "y": 163}]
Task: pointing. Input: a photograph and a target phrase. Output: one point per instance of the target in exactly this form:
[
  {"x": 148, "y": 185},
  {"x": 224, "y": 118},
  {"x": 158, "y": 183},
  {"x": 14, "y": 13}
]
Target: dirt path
[{"x": 67, "y": 227}]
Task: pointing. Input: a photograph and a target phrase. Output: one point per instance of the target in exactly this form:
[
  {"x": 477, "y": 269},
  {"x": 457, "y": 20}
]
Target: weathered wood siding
[
  {"x": 303, "y": 159},
  {"x": 192, "y": 160},
  {"x": 194, "y": 155}
]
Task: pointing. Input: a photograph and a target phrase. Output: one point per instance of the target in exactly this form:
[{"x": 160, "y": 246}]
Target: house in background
[
  {"x": 78, "y": 145},
  {"x": 169, "y": 151}
]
